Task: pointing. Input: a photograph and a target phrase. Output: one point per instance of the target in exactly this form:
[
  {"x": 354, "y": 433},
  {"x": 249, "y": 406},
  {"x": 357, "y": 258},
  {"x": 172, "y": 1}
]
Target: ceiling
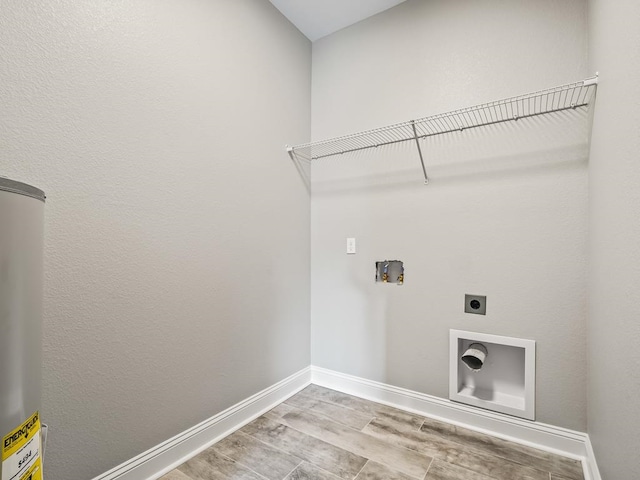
[{"x": 318, "y": 18}]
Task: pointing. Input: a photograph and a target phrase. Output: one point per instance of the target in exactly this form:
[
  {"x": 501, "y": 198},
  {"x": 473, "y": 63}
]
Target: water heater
[{"x": 21, "y": 276}]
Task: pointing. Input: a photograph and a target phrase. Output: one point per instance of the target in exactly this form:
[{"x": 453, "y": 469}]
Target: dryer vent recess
[{"x": 390, "y": 271}]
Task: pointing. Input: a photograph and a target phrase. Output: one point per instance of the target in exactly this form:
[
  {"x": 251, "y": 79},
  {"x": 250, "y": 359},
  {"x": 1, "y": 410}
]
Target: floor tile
[
  {"x": 338, "y": 461},
  {"x": 431, "y": 445},
  {"x": 401, "y": 459},
  {"x": 346, "y": 416},
  {"x": 261, "y": 458},
  {"x": 210, "y": 465},
  {"x": 454, "y": 453},
  {"x": 541, "y": 460},
  {"x": 175, "y": 475},
  {"x": 361, "y": 405},
  {"x": 322, "y": 434},
  {"x": 560, "y": 477},
  {"x": 307, "y": 471},
  {"x": 376, "y": 471},
  {"x": 279, "y": 411},
  {"x": 440, "y": 470}
]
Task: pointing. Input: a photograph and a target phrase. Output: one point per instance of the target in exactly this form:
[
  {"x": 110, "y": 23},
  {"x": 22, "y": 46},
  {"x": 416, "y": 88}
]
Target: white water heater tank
[{"x": 21, "y": 277}]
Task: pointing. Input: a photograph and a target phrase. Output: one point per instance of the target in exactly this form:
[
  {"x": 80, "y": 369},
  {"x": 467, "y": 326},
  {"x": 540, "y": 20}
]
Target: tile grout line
[
  {"x": 328, "y": 401},
  {"x": 474, "y": 450},
  {"x": 322, "y": 440},
  {"x": 485, "y": 450},
  {"x": 323, "y": 469},
  {"x": 455, "y": 438},
  {"x": 428, "y": 468},
  {"x": 241, "y": 464},
  {"x": 294, "y": 469},
  {"x": 329, "y": 417},
  {"x": 302, "y": 460},
  {"x": 177, "y": 469},
  {"x": 342, "y": 448},
  {"x": 329, "y": 443},
  {"x": 313, "y": 412},
  {"x": 445, "y": 436},
  {"x": 449, "y": 437},
  {"x": 329, "y": 404},
  {"x": 272, "y": 446},
  {"x": 365, "y": 464},
  {"x": 375, "y": 414},
  {"x": 368, "y": 423},
  {"x": 401, "y": 447}
]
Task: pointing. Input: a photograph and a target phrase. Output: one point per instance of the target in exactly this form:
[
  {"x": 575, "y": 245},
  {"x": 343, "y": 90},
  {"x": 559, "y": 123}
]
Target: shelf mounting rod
[{"x": 415, "y": 137}]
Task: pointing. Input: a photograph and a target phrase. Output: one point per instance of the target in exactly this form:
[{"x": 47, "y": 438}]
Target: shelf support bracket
[
  {"x": 415, "y": 136},
  {"x": 290, "y": 152}
]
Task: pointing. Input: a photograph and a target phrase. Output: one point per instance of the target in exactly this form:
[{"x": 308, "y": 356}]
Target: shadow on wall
[
  {"x": 304, "y": 170},
  {"x": 529, "y": 146}
]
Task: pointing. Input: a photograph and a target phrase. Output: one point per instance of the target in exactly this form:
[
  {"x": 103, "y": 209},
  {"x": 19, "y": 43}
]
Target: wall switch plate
[
  {"x": 351, "y": 246},
  {"x": 475, "y": 304}
]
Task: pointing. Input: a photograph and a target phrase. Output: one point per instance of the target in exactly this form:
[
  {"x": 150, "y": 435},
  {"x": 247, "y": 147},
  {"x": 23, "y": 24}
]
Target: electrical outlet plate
[
  {"x": 475, "y": 304},
  {"x": 351, "y": 246}
]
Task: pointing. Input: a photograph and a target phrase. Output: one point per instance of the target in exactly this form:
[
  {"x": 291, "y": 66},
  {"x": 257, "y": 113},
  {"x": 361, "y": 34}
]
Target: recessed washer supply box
[{"x": 506, "y": 382}]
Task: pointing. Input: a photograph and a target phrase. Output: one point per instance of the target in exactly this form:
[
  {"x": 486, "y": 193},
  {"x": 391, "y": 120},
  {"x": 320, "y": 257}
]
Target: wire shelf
[{"x": 564, "y": 97}]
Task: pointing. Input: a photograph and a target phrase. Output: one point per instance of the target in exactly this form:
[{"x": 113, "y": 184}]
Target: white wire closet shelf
[{"x": 564, "y": 97}]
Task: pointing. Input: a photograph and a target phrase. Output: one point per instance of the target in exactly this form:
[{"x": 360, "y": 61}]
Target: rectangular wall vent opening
[{"x": 505, "y": 379}]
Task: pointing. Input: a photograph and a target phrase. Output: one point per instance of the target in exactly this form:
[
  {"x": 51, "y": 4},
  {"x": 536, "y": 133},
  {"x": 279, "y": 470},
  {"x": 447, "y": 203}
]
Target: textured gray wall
[
  {"x": 177, "y": 230},
  {"x": 614, "y": 203},
  {"x": 505, "y": 214}
]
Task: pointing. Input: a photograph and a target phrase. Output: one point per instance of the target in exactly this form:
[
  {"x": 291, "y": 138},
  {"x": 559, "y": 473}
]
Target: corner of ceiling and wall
[{"x": 319, "y": 18}]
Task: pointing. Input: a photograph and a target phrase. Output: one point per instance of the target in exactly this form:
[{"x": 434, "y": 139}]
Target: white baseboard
[
  {"x": 553, "y": 439},
  {"x": 164, "y": 457},
  {"x": 590, "y": 464}
]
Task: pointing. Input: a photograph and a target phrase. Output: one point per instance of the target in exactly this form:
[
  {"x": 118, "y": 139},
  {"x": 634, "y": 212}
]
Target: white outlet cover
[{"x": 351, "y": 246}]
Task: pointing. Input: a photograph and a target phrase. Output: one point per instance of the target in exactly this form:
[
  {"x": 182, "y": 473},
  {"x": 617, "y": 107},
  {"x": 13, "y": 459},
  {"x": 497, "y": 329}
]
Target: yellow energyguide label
[{"x": 21, "y": 458}]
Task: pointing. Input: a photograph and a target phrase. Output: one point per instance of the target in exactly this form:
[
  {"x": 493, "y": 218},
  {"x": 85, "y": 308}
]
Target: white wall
[
  {"x": 505, "y": 214},
  {"x": 177, "y": 230},
  {"x": 614, "y": 203}
]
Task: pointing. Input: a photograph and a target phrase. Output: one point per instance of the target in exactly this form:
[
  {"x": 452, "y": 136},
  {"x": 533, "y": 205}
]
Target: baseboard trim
[
  {"x": 561, "y": 441},
  {"x": 590, "y": 465},
  {"x": 164, "y": 457}
]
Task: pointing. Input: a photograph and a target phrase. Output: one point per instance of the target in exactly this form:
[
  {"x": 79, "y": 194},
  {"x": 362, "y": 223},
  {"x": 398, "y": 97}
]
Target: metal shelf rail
[{"x": 564, "y": 97}]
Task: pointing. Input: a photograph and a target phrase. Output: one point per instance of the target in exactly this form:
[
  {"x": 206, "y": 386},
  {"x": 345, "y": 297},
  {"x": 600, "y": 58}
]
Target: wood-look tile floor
[{"x": 321, "y": 434}]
